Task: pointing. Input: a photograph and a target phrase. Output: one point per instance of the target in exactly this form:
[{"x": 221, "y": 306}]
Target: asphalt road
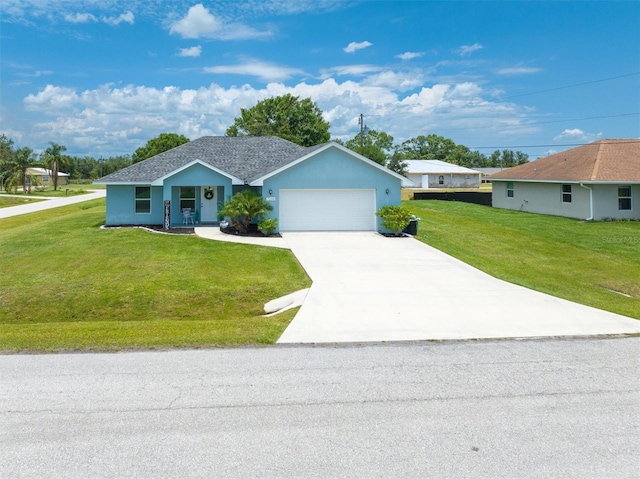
[{"x": 495, "y": 409}]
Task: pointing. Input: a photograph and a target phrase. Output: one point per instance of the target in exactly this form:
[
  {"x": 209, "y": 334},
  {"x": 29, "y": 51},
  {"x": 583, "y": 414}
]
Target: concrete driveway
[{"x": 370, "y": 288}]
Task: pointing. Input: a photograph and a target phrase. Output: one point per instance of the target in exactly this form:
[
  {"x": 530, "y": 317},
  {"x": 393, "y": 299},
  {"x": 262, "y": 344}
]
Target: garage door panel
[{"x": 327, "y": 210}]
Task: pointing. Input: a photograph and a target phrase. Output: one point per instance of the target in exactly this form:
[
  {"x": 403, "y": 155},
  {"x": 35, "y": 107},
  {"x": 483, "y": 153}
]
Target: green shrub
[
  {"x": 394, "y": 218},
  {"x": 244, "y": 206},
  {"x": 268, "y": 226}
]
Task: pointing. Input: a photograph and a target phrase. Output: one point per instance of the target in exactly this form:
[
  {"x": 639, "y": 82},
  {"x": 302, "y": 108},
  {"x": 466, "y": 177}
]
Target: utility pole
[{"x": 363, "y": 127}]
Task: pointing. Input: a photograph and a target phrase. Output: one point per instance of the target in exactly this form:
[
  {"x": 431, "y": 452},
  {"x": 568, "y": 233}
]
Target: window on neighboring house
[
  {"x": 143, "y": 199},
  {"x": 624, "y": 197},
  {"x": 188, "y": 197},
  {"x": 441, "y": 180},
  {"x": 509, "y": 189},
  {"x": 566, "y": 193}
]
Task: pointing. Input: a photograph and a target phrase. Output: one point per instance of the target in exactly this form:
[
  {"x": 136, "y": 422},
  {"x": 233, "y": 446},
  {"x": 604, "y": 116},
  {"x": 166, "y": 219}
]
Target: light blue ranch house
[{"x": 320, "y": 188}]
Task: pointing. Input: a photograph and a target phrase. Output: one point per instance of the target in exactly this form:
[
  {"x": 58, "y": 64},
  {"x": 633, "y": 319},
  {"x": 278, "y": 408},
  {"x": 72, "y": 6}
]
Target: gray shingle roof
[{"x": 246, "y": 158}]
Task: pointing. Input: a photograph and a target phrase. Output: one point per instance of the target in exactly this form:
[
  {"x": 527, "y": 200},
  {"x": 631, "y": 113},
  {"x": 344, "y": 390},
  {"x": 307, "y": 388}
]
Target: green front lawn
[
  {"x": 67, "y": 284},
  {"x": 580, "y": 261}
]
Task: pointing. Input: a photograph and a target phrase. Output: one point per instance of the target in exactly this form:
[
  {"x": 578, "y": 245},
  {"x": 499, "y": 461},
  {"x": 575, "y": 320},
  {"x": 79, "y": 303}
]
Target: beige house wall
[{"x": 546, "y": 198}]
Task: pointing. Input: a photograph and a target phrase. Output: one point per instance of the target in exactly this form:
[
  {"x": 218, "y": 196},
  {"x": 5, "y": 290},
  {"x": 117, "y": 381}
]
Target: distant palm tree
[
  {"x": 14, "y": 170},
  {"x": 53, "y": 159}
]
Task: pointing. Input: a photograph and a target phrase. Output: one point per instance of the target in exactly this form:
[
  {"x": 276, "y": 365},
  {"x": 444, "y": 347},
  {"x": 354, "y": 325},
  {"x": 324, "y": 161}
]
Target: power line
[
  {"x": 571, "y": 86},
  {"x": 580, "y": 119},
  {"x": 520, "y": 125},
  {"x": 541, "y": 146}
]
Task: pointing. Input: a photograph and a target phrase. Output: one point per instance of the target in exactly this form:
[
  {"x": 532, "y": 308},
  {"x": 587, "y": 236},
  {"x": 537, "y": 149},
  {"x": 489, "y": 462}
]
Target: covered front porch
[
  {"x": 192, "y": 205},
  {"x": 194, "y": 194}
]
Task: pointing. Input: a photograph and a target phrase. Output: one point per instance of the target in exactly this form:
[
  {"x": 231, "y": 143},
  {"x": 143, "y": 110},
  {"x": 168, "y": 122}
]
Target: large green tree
[
  {"x": 53, "y": 159},
  {"x": 160, "y": 144},
  {"x": 287, "y": 116},
  {"x": 375, "y": 145},
  {"x": 507, "y": 158},
  {"x": 435, "y": 147}
]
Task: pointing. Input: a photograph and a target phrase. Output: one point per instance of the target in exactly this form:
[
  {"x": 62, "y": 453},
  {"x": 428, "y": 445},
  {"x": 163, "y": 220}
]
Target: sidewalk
[{"x": 50, "y": 202}]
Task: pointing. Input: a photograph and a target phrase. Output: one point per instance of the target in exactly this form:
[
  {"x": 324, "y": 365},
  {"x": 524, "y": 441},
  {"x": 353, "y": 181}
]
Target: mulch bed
[
  {"x": 158, "y": 229},
  {"x": 252, "y": 233}
]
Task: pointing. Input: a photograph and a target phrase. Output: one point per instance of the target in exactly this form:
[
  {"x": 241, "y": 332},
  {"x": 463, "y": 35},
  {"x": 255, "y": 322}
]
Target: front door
[{"x": 208, "y": 204}]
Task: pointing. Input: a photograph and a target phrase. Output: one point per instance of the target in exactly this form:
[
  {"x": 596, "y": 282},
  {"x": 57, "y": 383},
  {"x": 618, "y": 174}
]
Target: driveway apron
[{"x": 367, "y": 287}]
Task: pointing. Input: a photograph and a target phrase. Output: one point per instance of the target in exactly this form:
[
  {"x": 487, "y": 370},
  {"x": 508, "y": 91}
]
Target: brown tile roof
[{"x": 600, "y": 161}]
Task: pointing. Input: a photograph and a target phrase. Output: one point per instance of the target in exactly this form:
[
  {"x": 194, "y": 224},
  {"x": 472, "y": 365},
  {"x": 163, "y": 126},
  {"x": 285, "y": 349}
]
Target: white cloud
[
  {"x": 465, "y": 50},
  {"x": 127, "y": 17},
  {"x": 355, "y": 46},
  {"x": 80, "y": 18},
  {"x": 518, "y": 71},
  {"x": 409, "y": 55},
  {"x": 51, "y": 99},
  {"x": 395, "y": 81},
  {"x": 351, "y": 70},
  {"x": 201, "y": 23},
  {"x": 576, "y": 134},
  {"x": 263, "y": 70},
  {"x": 190, "y": 52},
  {"x": 116, "y": 120}
]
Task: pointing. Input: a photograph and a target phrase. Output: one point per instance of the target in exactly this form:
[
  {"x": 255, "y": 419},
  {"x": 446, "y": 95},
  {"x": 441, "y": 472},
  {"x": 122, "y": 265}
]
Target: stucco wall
[
  {"x": 121, "y": 206},
  {"x": 546, "y": 198},
  {"x": 333, "y": 168},
  {"x": 606, "y": 202},
  {"x": 449, "y": 180}
]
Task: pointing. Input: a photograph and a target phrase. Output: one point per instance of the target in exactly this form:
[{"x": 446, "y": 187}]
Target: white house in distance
[
  {"x": 597, "y": 181},
  {"x": 440, "y": 174}
]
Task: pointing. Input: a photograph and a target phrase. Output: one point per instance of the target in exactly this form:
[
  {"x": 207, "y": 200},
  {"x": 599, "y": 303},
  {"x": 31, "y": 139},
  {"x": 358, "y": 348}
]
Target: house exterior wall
[
  {"x": 121, "y": 206},
  {"x": 605, "y": 199},
  {"x": 450, "y": 180},
  {"x": 121, "y": 198},
  {"x": 547, "y": 198},
  {"x": 333, "y": 168}
]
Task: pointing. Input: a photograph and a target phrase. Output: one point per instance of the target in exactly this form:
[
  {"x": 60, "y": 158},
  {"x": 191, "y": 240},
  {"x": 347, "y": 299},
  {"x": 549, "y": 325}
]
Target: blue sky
[{"x": 102, "y": 77}]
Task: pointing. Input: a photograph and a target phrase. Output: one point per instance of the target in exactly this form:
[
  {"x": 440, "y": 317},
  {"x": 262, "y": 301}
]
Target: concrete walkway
[
  {"x": 214, "y": 233},
  {"x": 50, "y": 202},
  {"x": 370, "y": 288}
]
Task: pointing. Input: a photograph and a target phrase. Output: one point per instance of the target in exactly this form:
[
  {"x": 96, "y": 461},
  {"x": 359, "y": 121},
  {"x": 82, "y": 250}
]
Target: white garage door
[{"x": 327, "y": 210}]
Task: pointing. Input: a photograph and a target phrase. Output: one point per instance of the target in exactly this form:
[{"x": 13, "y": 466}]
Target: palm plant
[
  {"x": 14, "y": 170},
  {"x": 53, "y": 159},
  {"x": 243, "y": 207}
]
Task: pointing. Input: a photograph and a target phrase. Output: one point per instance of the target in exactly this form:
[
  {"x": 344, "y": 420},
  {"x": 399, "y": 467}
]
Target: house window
[
  {"x": 509, "y": 189},
  {"x": 441, "y": 180},
  {"x": 566, "y": 193},
  {"x": 624, "y": 197},
  {"x": 188, "y": 197},
  {"x": 143, "y": 199}
]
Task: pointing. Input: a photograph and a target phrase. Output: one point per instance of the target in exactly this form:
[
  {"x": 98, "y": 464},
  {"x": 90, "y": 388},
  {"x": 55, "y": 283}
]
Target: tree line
[{"x": 297, "y": 120}]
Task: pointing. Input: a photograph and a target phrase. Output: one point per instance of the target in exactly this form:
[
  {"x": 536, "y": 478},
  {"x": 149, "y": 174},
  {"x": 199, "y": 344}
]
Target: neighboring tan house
[
  {"x": 324, "y": 187},
  {"x": 597, "y": 181},
  {"x": 440, "y": 174},
  {"x": 44, "y": 178}
]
